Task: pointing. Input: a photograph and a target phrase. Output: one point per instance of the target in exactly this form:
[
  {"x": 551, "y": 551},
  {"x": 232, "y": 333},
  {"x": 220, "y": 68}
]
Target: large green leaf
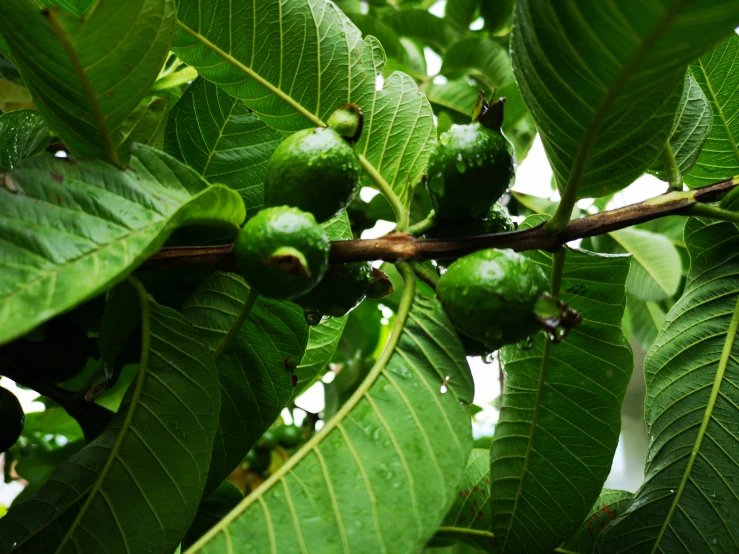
[
  {"x": 23, "y": 133},
  {"x": 603, "y": 80},
  {"x": 561, "y": 415},
  {"x": 718, "y": 79},
  {"x": 690, "y": 497},
  {"x": 76, "y": 7},
  {"x": 460, "y": 13},
  {"x": 69, "y": 231},
  {"x": 646, "y": 320},
  {"x": 219, "y": 137},
  {"x": 422, "y": 26},
  {"x": 382, "y": 473},
  {"x": 255, "y": 369},
  {"x": 295, "y": 66},
  {"x": 87, "y": 76},
  {"x": 656, "y": 267},
  {"x": 136, "y": 488},
  {"x": 610, "y": 504},
  {"x": 693, "y": 124}
]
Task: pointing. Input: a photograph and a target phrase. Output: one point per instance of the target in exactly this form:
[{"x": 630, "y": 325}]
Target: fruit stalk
[{"x": 400, "y": 246}]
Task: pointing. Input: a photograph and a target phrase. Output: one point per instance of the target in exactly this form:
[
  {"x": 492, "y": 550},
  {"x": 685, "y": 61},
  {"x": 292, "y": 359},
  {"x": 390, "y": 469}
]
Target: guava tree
[{"x": 181, "y": 258}]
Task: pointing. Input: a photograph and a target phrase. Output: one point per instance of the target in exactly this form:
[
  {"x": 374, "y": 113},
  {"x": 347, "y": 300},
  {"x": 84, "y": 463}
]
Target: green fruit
[
  {"x": 60, "y": 356},
  {"x": 490, "y": 296},
  {"x": 269, "y": 440},
  {"x": 258, "y": 461},
  {"x": 290, "y": 436},
  {"x": 470, "y": 168},
  {"x": 11, "y": 419},
  {"x": 282, "y": 252},
  {"x": 315, "y": 170},
  {"x": 342, "y": 289},
  {"x": 497, "y": 220}
]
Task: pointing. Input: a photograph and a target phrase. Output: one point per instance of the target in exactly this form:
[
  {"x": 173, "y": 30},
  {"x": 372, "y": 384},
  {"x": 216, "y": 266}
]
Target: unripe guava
[
  {"x": 471, "y": 167},
  {"x": 282, "y": 252},
  {"x": 490, "y": 296},
  {"x": 342, "y": 289},
  {"x": 315, "y": 170}
]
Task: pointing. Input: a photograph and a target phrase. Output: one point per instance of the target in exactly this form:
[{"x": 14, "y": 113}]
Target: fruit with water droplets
[
  {"x": 471, "y": 166},
  {"x": 491, "y": 295},
  {"x": 282, "y": 252}
]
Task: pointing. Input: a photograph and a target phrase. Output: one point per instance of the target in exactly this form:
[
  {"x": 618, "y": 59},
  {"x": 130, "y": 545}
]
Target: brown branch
[{"x": 403, "y": 247}]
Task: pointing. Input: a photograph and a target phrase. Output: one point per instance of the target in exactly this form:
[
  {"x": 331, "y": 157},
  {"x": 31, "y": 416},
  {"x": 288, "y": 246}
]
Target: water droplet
[
  {"x": 343, "y": 34},
  {"x": 443, "y": 389}
]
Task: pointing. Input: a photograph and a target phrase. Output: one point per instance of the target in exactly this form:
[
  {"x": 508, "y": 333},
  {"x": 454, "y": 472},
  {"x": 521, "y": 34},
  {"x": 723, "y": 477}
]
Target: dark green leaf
[
  {"x": 92, "y": 225},
  {"x": 88, "y": 76},
  {"x": 383, "y": 472},
  {"x": 255, "y": 370},
  {"x": 689, "y": 500},
  {"x": 422, "y": 26},
  {"x": 146, "y": 124},
  {"x": 136, "y": 488},
  {"x": 23, "y": 133},
  {"x": 75, "y": 7},
  {"x": 610, "y": 504},
  {"x": 219, "y": 137},
  {"x": 560, "y": 421},
  {"x": 693, "y": 124},
  {"x": 213, "y": 509},
  {"x": 604, "y": 79},
  {"x": 646, "y": 319},
  {"x": 460, "y": 13},
  {"x": 716, "y": 76},
  {"x": 295, "y": 67}
]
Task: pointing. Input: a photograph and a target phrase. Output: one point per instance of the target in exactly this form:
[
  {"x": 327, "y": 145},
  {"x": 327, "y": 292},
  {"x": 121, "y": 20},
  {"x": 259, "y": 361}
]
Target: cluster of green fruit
[
  {"x": 283, "y": 250},
  {"x": 286, "y": 437}
]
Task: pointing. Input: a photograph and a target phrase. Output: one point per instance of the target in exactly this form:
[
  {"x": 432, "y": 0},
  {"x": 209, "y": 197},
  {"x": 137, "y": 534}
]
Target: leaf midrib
[{"x": 720, "y": 111}]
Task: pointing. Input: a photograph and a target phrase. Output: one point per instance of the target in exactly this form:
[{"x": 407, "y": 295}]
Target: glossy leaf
[
  {"x": 255, "y": 370},
  {"x": 603, "y": 80},
  {"x": 656, "y": 267},
  {"x": 693, "y": 124},
  {"x": 75, "y": 7},
  {"x": 646, "y": 320},
  {"x": 156, "y": 450},
  {"x": 610, "y": 504},
  {"x": 92, "y": 225},
  {"x": 423, "y": 26},
  {"x": 219, "y": 137},
  {"x": 460, "y": 13},
  {"x": 295, "y": 67},
  {"x": 14, "y": 96},
  {"x": 715, "y": 74},
  {"x": 88, "y": 76},
  {"x": 560, "y": 421},
  {"x": 689, "y": 499},
  {"x": 23, "y": 133},
  {"x": 398, "y": 442},
  {"x": 470, "y": 517}
]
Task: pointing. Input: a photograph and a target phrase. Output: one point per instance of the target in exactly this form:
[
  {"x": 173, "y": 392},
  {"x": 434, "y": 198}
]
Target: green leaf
[
  {"x": 688, "y": 502},
  {"x": 460, "y": 13},
  {"x": 219, "y": 137},
  {"x": 23, "y": 133},
  {"x": 383, "y": 472},
  {"x": 136, "y": 488},
  {"x": 295, "y": 67},
  {"x": 146, "y": 124},
  {"x": 255, "y": 368},
  {"x": 323, "y": 339},
  {"x": 716, "y": 76},
  {"x": 422, "y": 26},
  {"x": 693, "y": 124},
  {"x": 88, "y": 76},
  {"x": 656, "y": 268},
  {"x": 646, "y": 320},
  {"x": 75, "y": 7},
  {"x": 470, "y": 517},
  {"x": 560, "y": 420},
  {"x": 603, "y": 80},
  {"x": 69, "y": 231},
  {"x": 610, "y": 504},
  {"x": 213, "y": 509}
]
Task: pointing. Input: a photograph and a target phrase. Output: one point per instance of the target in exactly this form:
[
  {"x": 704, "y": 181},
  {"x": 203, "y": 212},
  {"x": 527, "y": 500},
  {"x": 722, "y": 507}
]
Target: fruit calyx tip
[
  {"x": 348, "y": 121},
  {"x": 488, "y": 115},
  {"x": 381, "y": 285},
  {"x": 289, "y": 260}
]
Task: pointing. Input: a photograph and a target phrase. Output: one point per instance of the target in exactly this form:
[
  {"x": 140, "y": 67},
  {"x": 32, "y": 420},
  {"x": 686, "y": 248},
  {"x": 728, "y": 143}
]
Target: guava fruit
[
  {"x": 59, "y": 356},
  {"x": 342, "y": 289},
  {"x": 12, "y": 419},
  {"x": 290, "y": 436},
  {"x": 471, "y": 166},
  {"x": 282, "y": 252},
  {"x": 491, "y": 295},
  {"x": 315, "y": 170},
  {"x": 497, "y": 220}
]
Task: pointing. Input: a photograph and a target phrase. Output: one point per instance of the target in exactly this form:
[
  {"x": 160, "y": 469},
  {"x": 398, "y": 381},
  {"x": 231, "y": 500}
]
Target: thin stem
[
  {"x": 425, "y": 273},
  {"x": 175, "y": 79},
  {"x": 401, "y": 215},
  {"x": 672, "y": 170},
  {"x": 715, "y": 213},
  {"x": 422, "y": 226},
  {"x": 465, "y": 531},
  {"x": 401, "y": 316},
  {"x": 251, "y": 298}
]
